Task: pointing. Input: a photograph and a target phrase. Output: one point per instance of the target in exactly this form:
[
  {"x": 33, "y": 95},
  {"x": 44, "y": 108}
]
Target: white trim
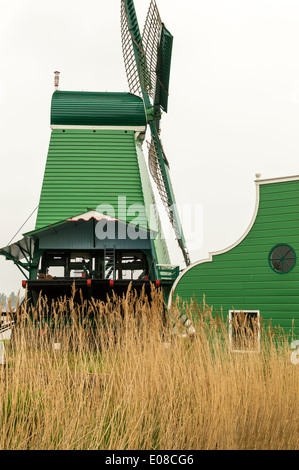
[
  {"x": 6, "y": 325},
  {"x": 257, "y": 203},
  {"x": 140, "y": 136},
  {"x": 215, "y": 253},
  {"x": 101, "y": 128},
  {"x": 167, "y": 265},
  {"x": 283, "y": 179},
  {"x": 5, "y": 335},
  {"x": 2, "y": 354},
  {"x": 92, "y": 215},
  {"x": 230, "y": 330}
]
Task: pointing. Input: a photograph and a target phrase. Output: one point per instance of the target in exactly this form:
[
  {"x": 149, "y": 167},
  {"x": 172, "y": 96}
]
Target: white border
[
  {"x": 6, "y": 325},
  {"x": 283, "y": 179},
  {"x": 101, "y": 128},
  {"x": 230, "y": 330}
]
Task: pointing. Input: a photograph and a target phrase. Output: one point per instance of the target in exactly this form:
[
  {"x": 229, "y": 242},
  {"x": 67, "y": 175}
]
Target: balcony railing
[{"x": 167, "y": 272}]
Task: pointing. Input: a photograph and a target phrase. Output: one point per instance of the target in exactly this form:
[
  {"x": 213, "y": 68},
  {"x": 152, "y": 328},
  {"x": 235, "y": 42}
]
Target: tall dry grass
[{"x": 123, "y": 380}]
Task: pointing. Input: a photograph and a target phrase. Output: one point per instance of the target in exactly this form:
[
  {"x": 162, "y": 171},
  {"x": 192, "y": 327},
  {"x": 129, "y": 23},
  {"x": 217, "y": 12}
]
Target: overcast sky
[{"x": 233, "y": 106}]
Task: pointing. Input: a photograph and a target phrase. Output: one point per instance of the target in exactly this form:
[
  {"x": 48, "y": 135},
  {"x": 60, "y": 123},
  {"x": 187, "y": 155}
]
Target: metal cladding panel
[
  {"x": 163, "y": 66},
  {"x": 87, "y": 168},
  {"x": 82, "y": 236},
  {"x": 75, "y": 236},
  {"x": 19, "y": 250},
  {"x": 241, "y": 278},
  {"x": 97, "y": 109}
]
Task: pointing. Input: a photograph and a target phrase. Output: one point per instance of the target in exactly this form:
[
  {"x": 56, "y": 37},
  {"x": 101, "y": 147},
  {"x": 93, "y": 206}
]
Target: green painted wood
[
  {"x": 97, "y": 109},
  {"x": 85, "y": 169},
  {"x": 242, "y": 278}
]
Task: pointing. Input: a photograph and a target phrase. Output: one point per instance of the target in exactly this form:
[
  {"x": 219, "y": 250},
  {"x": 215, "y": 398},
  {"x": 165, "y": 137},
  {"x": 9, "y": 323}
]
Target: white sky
[{"x": 233, "y": 107}]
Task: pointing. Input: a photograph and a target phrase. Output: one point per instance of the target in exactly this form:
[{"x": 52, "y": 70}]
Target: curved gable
[{"x": 240, "y": 276}]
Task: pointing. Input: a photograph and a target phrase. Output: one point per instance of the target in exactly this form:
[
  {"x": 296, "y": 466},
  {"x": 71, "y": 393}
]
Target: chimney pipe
[{"x": 56, "y": 80}]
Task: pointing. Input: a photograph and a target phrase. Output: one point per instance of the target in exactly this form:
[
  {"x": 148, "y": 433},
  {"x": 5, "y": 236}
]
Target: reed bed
[{"x": 127, "y": 377}]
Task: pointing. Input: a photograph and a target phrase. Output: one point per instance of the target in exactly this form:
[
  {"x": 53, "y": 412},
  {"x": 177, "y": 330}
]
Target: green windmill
[{"x": 97, "y": 222}]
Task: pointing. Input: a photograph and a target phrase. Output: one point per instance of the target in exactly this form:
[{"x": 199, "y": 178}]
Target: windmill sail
[
  {"x": 128, "y": 54},
  {"x": 157, "y": 43},
  {"x": 135, "y": 60},
  {"x": 156, "y": 172},
  {"x": 147, "y": 62},
  {"x": 150, "y": 41},
  {"x": 160, "y": 174},
  {"x": 163, "y": 69}
]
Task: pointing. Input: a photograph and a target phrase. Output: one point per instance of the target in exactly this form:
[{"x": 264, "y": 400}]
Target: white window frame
[{"x": 257, "y": 313}]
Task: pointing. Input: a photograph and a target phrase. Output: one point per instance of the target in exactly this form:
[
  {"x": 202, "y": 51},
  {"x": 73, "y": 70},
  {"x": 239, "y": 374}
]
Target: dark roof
[{"x": 79, "y": 108}]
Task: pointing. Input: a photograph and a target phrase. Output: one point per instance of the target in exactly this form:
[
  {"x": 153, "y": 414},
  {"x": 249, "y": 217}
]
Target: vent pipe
[{"x": 56, "y": 80}]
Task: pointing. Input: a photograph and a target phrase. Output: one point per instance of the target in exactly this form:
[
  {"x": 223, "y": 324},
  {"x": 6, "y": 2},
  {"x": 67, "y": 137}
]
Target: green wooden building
[{"x": 259, "y": 274}]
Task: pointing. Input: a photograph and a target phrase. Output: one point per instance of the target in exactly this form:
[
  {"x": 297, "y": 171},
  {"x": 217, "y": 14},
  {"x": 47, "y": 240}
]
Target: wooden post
[{"x": 2, "y": 354}]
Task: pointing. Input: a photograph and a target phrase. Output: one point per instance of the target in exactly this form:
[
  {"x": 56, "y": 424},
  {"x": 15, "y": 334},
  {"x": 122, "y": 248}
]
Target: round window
[{"x": 282, "y": 258}]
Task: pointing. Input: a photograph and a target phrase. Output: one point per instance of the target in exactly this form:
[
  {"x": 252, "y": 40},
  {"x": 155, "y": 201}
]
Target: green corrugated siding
[
  {"x": 87, "y": 168},
  {"x": 242, "y": 278},
  {"x": 97, "y": 109}
]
